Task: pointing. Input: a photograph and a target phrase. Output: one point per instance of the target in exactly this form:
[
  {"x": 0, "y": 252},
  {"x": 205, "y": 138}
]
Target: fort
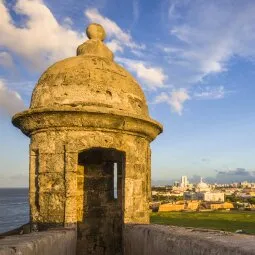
[{"x": 90, "y": 170}]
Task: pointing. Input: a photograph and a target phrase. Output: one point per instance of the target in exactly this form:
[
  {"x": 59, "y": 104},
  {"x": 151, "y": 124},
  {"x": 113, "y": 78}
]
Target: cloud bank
[
  {"x": 204, "y": 36},
  {"x": 42, "y": 39},
  {"x": 209, "y": 34},
  {"x": 200, "y": 44},
  {"x": 236, "y": 175}
]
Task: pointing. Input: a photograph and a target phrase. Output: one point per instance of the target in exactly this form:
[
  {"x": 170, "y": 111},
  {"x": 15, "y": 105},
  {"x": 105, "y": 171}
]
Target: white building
[
  {"x": 209, "y": 196},
  {"x": 204, "y": 193},
  {"x": 213, "y": 196}
]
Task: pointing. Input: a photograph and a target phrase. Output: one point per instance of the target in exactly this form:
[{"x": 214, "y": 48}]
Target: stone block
[
  {"x": 80, "y": 170},
  {"x": 51, "y": 182},
  {"x": 70, "y": 184},
  {"x": 71, "y": 209},
  {"x": 32, "y": 182},
  {"x": 71, "y": 162},
  {"x": 80, "y": 183},
  {"x": 43, "y": 204},
  {"x": 51, "y": 163},
  {"x": 56, "y": 204},
  {"x": 138, "y": 187},
  {"x": 55, "y": 163}
]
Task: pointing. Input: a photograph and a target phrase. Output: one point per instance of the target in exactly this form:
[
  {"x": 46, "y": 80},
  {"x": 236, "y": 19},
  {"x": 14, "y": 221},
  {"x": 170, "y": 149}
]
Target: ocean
[{"x": 14, "y": 208}]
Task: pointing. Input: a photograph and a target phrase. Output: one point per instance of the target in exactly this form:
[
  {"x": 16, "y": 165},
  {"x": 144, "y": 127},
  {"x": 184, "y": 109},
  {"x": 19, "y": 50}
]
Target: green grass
[{"x": 226, "y": 221}]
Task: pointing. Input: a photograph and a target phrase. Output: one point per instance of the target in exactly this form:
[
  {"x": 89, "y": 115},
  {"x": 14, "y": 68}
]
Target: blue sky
[{"x": 194, "y": 59}]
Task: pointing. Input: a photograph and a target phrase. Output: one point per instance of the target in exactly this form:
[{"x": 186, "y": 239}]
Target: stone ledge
[
  {"x": 161, "y": 240},
  {"x": 51, "y": 242},
  {"x": 31, "y": 121}
]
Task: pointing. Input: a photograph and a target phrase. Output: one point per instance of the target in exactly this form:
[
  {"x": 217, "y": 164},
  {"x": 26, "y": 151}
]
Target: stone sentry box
[{"x": 88, "y": 119}]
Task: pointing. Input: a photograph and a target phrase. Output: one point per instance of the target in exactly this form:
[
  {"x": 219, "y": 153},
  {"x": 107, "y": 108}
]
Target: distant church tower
[{"x": 90, "y": 156}]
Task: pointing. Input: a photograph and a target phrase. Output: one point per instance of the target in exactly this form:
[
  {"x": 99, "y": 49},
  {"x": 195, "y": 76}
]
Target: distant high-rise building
[{"x": 184, "y": 181}]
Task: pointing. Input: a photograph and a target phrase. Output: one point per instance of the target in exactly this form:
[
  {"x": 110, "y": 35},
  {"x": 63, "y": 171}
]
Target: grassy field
[{"x": 226, "y": 221}]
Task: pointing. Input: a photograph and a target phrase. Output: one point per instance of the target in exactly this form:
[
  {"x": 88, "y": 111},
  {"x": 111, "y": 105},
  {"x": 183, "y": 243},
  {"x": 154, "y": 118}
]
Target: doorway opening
[{"x": 99, "y": 201}]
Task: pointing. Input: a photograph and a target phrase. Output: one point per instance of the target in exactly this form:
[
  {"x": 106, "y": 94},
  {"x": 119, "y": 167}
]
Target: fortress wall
[
  {"x": 51, "y": 242},
  {"x": 162, "y": 240},
  {"x": 138, "y": 240}
]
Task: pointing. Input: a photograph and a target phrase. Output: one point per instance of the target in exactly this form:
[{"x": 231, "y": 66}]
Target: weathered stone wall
[
  {"x": 53, "y": 242},
  {"x": 165, "y": 240},
  {"x": 57, "y": 196},
  {"x": 138, "y": 240},
  {"x": 53, "y": 173}
]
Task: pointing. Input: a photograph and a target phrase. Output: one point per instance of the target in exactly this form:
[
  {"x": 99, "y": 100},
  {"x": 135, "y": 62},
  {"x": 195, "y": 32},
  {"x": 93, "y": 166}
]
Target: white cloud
[
  {"x": 210, "y": 33},
  {"x": 41, "y": 40},
  {"x": 10, "y": 100},
  {"x": 163, "y": 97},
  {"x": 68, "y": 22},
  {"x": 115, "y": 46},
  {"x": 175, "y": 99},
  {"x": 121, "y": 38},
  {"x": 153, "y": 77},
  {"x": 210, "y": 93},
  {"x": 138, "y": 53},
  {"x": 6, "y": 59}
]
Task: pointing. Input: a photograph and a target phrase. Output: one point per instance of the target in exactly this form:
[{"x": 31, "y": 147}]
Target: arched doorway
[{"x": 100, "y": 188}]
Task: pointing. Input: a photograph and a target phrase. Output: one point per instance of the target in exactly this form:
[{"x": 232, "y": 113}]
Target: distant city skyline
[
  {"x": 193, "y": 59},
  {"x": 223, "y": 178}
]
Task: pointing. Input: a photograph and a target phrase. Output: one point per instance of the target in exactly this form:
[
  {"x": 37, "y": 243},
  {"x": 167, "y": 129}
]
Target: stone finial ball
[{"x": 96, "y": 31}]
